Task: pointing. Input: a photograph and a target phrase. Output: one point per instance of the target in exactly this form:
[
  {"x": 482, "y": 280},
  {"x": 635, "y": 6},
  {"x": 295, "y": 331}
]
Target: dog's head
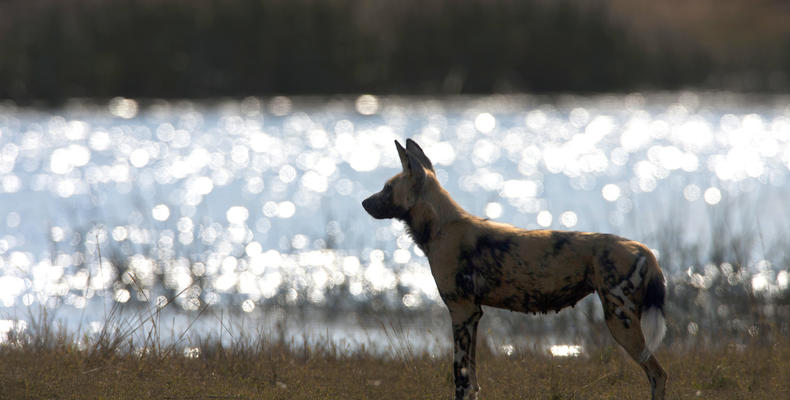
[{"x": 402, "y": 191}]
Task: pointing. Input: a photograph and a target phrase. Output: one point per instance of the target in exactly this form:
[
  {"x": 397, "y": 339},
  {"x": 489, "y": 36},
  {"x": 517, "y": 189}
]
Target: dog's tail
[{"x": 653, "y": 324}]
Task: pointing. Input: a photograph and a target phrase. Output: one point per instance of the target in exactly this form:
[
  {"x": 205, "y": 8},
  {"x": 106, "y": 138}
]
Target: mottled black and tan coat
[{"x": 478, "y": 262}]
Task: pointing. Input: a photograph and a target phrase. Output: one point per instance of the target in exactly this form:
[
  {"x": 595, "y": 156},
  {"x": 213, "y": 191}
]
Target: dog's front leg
[{"x": 465, "y": 318}]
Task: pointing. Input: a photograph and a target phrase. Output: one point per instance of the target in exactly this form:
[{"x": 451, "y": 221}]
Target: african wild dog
[{"x": 477, "y": 262}]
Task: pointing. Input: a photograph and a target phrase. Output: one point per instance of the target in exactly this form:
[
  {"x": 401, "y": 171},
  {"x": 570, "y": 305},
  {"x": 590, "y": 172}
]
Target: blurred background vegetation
[{"x": 52, "y": 50}]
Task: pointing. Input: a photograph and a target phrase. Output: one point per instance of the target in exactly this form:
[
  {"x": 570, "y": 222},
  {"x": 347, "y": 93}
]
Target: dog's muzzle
[{"x": 373, "y": 206}]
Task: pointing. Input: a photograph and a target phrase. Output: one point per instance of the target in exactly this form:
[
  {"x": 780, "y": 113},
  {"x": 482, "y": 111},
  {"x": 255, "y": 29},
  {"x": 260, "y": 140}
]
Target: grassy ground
[{"x": 59, "y": 369}]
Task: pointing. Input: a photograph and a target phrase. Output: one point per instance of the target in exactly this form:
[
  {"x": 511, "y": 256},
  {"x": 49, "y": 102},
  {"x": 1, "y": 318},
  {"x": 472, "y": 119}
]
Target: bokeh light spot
[
  {"x": 611, "y": 192},
  {"x": 123, "y": 108},
  {"x": 493, "y": 210},
  {"x": 712, "y": 195},
  {"x": 485, "y": 123},
  {"x": 237, "y": 214},
  {"x": 568, "y": 219},
  {"x": 367, "y": 104},
  {"x": 160, "y": 212},
  {"x": 248, "y": 306},
  {"x": 544, "y": 218}
]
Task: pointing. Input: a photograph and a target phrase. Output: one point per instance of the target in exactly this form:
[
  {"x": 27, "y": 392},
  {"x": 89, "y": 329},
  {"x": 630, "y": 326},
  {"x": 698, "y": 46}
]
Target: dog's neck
[{"x": 428, "y": 215}]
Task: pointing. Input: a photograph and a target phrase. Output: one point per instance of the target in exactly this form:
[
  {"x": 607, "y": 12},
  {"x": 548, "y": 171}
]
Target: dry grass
[{"x": 57, "y": 368}]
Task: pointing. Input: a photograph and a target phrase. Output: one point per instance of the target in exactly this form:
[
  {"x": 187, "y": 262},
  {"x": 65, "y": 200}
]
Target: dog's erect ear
[
  {"x": 404, "y": 158},
  {"x": 417, "y": 170},
  {"x": 411, "y": 164},
  {"x": 415, "y": 149}
]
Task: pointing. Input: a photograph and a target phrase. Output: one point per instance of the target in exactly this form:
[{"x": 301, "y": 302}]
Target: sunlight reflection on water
[
  {"x": 565, "y": 350},
  {"x": 259, "y": 198},
  {"x": 11, "y": 326}
]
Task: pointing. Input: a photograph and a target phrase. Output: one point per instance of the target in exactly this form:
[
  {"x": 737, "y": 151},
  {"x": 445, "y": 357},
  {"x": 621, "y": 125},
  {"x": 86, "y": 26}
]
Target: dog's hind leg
[
  {"x": 465, "y": 318},
  {"x": 626, "y": 330}
]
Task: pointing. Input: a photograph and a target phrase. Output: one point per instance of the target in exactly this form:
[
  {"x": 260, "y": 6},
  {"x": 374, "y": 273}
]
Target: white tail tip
[{"x": 653, "y": 328}]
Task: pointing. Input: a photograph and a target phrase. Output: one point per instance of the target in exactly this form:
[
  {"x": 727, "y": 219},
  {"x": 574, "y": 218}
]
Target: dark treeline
[{"x": 52, "y": 50}]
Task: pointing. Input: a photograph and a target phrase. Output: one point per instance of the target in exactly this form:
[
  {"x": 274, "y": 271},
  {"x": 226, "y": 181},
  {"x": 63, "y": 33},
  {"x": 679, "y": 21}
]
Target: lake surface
[{"x": 244, "y": 203}]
